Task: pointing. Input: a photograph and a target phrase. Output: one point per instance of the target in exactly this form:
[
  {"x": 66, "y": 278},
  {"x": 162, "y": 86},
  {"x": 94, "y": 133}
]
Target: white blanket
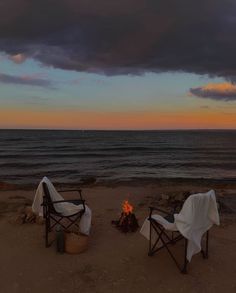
[
  {"x": 197, "y": 215},
  {"x": 65, "y": 208}
]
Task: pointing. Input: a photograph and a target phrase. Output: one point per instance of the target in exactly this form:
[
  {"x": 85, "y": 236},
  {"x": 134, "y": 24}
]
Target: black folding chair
[
  {"x": 52, "y": 217},
  {"x": 164, "y": 238}
]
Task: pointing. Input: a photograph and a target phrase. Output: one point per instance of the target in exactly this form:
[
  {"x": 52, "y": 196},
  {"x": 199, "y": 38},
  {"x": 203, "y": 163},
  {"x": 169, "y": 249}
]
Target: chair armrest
[
  {"x": 159, "y": 210},
  {"x": 74, "y": 201},
  {"x": 77, "y": 190},
  {"x": 156, "y": 209},
  {"x": 169, "y": 216}
]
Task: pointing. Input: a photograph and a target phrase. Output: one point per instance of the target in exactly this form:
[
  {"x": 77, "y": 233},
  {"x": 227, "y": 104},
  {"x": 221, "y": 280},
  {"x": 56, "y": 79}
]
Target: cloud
[
  {"x": 125, "y": 36},
  {"x": 17, "y": 58},
  {"x": 97, "y": 81},
  {"x": 25, "y": 80},
  {"x": 216, "y": 91}
]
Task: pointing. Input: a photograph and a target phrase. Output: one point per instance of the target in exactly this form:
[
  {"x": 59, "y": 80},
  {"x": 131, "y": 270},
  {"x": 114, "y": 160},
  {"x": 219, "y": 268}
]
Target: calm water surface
[{"x": 67, "y": 156}]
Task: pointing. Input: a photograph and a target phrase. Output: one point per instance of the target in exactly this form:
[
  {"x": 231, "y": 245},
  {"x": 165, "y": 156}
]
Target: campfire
[{"x": 127, "y": 221}]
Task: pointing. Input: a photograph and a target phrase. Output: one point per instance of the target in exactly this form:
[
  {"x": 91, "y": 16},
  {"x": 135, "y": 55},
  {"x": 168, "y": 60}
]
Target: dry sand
[{"x": 114, "y": 262}]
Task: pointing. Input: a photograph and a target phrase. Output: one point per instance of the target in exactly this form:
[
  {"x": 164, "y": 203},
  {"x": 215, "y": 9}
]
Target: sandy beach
[{"x": 114, "y": 262}]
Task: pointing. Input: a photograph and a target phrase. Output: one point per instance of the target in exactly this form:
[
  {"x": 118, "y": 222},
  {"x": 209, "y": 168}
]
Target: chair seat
[
  {"x": 170, "y": 218},
  {"x": 166, "y": 222}
]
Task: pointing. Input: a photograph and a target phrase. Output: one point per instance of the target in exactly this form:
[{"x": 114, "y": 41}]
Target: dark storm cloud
[
  {"x": 25, "y": 80},
  {"x": 219, "y": 91},
  {"x": 125, "y": 36}
]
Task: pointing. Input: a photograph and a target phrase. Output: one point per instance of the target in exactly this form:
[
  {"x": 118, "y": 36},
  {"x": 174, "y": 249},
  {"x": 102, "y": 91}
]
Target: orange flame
[{"x": 127, "y": 208}]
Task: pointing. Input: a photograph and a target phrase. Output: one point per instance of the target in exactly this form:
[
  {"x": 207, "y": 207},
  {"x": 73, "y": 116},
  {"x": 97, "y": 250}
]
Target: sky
[{"x": 134, "y": 64}]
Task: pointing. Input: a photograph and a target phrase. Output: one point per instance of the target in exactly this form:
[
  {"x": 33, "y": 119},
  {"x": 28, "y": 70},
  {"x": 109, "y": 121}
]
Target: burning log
[{"x": 127, "y": 221}]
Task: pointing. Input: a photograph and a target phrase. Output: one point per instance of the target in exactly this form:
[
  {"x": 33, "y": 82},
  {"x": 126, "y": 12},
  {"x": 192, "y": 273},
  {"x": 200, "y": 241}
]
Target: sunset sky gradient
[{"x": 116, "y": 68}]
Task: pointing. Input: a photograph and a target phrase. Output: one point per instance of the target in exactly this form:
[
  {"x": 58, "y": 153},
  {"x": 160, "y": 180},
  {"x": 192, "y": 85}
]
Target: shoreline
[{"x": 161, "y": 182}]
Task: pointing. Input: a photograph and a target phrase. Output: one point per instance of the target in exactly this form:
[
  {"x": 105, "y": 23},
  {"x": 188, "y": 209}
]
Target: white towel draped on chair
[
  {"x": 65, "y": 208},
  {"x": 197, "y": 215}
]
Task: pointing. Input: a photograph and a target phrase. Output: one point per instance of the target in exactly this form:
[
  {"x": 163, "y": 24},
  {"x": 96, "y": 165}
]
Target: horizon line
[{"x": 78, "y": 129}]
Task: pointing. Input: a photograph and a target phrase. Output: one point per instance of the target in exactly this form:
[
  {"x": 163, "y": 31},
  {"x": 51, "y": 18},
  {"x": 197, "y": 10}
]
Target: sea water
[{"x": 67, "y": 156}]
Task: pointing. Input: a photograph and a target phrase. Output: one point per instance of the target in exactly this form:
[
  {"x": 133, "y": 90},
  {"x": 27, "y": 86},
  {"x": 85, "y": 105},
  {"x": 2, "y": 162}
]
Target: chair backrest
[
  {"x": 200, "y": 208},
  {"x": 47, "y": 198}
]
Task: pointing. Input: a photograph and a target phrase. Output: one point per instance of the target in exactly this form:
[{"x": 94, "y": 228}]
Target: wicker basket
[{"x": 75, "y": 244}]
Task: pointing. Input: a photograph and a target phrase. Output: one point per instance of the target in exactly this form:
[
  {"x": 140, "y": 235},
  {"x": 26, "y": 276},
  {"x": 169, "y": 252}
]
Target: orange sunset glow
[{"x": 116, "y": 120}]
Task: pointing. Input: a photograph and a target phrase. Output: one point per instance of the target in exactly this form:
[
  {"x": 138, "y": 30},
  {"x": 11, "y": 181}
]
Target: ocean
[{"x": 71, "y": 156}]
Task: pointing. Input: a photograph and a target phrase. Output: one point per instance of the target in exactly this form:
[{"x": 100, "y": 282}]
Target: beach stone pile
[
  {"x": 25, "y": 215},
  {"x": 227, "y": 204},
  {"x": 172, "y": 200},
  {"x": 169, "y": 201}
]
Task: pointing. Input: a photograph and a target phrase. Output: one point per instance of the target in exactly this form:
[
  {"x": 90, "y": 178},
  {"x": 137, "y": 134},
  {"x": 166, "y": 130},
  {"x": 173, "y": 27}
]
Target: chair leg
[
  {"x": 205, "y": 252},
  {"x": 152, "y": 249},
  {"x": 172, "y": 241},
  {"x": 150, "y": 241},
  {"x": 47, "y": 227},
  {"x": 207, "y": 243},
  {"x": 184, "y": 269}
]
